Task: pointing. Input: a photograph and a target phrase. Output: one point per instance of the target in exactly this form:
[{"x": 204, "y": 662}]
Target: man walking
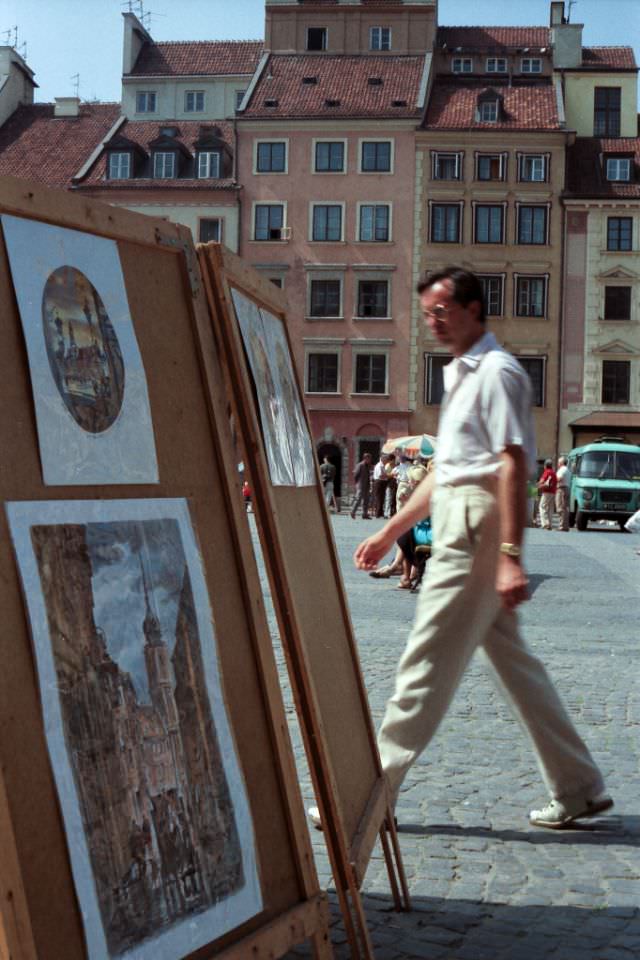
[
  {"x": 327, "y": 475},
  {"x": 563, "y": 479},
  {"x": 380, "y": 483},
  {"x": 362, "y": 478},
  {"x": 547, "y": 485},
  {"x": 475, "y": 579}
]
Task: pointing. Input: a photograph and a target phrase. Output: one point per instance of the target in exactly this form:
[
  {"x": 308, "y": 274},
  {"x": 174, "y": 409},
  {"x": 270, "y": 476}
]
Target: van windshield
[{"x": 610, "y": 465}]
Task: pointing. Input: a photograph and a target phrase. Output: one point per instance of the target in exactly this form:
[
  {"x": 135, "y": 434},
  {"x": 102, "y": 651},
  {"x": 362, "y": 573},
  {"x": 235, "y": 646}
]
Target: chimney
[
  {"x": 566, "y": 39},
  {"x": 66, "y": 107},
  {"x": 135, "y": 36},
  {"x": 17, "y": 82}
]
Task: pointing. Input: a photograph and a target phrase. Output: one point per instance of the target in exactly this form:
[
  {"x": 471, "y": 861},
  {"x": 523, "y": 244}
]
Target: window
[
  {"x": 489, "y": 222},
  {"x": 316, "y": 38},
  {"x": 619, "y": 233},
  {"x": 462, "y": 65},
  {"x": 329, "y": 157},
  {"x": 433, "y": 379},
  {"x": 531, "y": 65},
  {"x": 532, "y": 167},
  {"x": 606, "y": 112},
  {"x": 496, "y": 65},
  {"x": 375, "y": 223},
  {"x": 373, "y": 298},
  {"x": 239, "y": 98},
  {"x": 616, "y": 377},
  {"x": 445, "y": 222},
  {"x": 446, "y": 166},
  {"x": 488, "y": 111},
  {"x": 531, "y": 296},
  {"x": 324, "y": 298},
  {"x": 208, "y": 164},
  {"x": 617, "y": 303},
  {"x": 119, "y": 166},
  {"x": 164, "y": 165},
  {"x": 380, "y": 38},
  {"x": 376, "y": 156},
  {"x": 277, "y": 282},
  {"x": 271, "y": 157},
  {"x": 327, "y": 222},
  {"x": 145, "y": 101},
  {"x": 371, "y": 373},
  {"x": 532, "y": 224},
  {"x": 535, "y": 368},
  {"x": 194, "y": 101},
  {"x": 490, "y": 166},
  {"x": 269, "y": 221},
  {"x": 322, "y": 372},
  {"x": 619, "y": 168},
  {"x": 210, "y": 230},
  {"x": 492, "y": 294}
]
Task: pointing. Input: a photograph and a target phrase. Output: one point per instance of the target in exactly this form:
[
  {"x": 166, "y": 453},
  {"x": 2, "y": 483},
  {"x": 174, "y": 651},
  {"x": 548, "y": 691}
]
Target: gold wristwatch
[{"x": 511, "y": 549}]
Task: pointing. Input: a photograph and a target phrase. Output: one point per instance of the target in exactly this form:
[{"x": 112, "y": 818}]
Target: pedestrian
[
  {"x": 362, "y": 479},
  {"x": 547, "y": 485},
  {"x": 246, "y": 496},
  {"x": 401, "y": 476},
  {"x": 475, "y": 579},
  {"x": 392, "y": 487},
  {"x": 328, "y": 475},
  {"x": 563, "y": 481},
  {"x": 380, "y": 482}
]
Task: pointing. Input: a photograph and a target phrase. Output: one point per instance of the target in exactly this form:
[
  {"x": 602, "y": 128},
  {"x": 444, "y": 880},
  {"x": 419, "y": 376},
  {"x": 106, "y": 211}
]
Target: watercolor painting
[
  {"x": 155, "y": 808},
  {"x": 89, "y": 385}
]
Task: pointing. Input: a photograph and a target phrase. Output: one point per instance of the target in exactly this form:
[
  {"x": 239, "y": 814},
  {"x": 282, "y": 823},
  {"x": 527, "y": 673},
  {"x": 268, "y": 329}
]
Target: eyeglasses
[{"x": 439, "y": 312}]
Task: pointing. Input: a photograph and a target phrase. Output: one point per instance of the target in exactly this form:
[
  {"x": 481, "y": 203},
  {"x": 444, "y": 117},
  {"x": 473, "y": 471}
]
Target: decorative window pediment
[
  {"x": 619, "y": 273},
  {"x": 617, "y": 348}
]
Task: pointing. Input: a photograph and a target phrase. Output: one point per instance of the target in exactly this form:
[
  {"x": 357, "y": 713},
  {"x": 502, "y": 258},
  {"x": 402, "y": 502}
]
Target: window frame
[
  {"x": 220, "y": 221},
  {"x": 369, "y": 351},
  {"x": 239, "y": 96},
  {"x": 603, "y": 385},
  {"x": 530, "y": 60},
  {"x": 317, "y": 141},
  {"x": 322, "y": 278},
  {"x": 528, "y": 277},
  {"x": 378, "y": 140},
  {"x": 495, "y": 103},
  {"x": 381, "y": 47},
  {"x": 543, "y": 379},
  {"x": 446, "y": 203},
  {"x": 195, "y": 94},
  {"x": 428, "y": 377},
  {"x": 617, "y": 286},
  {"x": 120, "y": 154},
  {"x": 325, "y": 40},
  {"x": 375, "y": 204},
  {"x": 462, "y": 60},
  {"x": 313, "y": 204},
  {"x": 524, "y": 157},
  {"x": 609, "y": 240},
  {"x": 322, "y": 350},
  {"x": 257, "y": 204},
  {"x": 618, "y": 161},
  {"x": 357, "y": 314},
  {"x": 547, "y": 219},
  {"x": 208, "y": 154},
  {"x": 174, "y": 164},
  {"x": 480, "y": 205},
  {"x": 439, "y": 155},
  {"x": 495, "y": 61},
  {"x": 147, "y": 94},
  {"x": 612, "y": 115},
  {"x": 503, "y": 159},
  {"x": 500, "y": 277},
  {"x": 271, "y": 142}
]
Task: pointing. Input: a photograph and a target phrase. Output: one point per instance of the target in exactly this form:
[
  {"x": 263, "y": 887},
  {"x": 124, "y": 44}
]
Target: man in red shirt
[{"x": 547, "y": 485}]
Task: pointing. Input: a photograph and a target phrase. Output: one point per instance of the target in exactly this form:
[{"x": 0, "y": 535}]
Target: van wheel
[{"x": 581, "y": 520}]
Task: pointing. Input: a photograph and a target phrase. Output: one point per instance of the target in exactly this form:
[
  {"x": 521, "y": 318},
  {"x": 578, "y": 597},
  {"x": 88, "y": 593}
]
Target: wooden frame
[
  {"x": 314, "y": 623},
  {"x": 39, "y": 915}
]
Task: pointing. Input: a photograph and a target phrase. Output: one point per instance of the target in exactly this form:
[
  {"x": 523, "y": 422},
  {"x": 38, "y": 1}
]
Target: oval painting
[{"x": 83, "y": 350}]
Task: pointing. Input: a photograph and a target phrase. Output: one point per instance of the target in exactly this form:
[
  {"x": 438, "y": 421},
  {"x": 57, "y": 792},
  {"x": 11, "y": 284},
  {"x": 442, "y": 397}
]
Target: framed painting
[
  {"x": 89, "y": 386},
  {"x": 155, "y": 809}
]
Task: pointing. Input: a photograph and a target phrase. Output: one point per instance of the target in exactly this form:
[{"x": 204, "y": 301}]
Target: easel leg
[
  {"x": 388, "y": 859},
  {"x": 365, "y": 936},
  {"x": 390, "y": 825}
]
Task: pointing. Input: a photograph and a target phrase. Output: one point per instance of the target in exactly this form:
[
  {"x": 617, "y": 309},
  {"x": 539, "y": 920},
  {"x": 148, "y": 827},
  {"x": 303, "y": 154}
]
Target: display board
[
  {"x": 249, "y": 317},
  {"x": 149, "y": 806}
]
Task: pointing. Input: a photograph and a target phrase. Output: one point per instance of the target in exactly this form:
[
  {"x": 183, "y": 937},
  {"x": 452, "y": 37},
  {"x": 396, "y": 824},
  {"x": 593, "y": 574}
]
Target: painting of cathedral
[
  {"x": 138, "y": 734},
  {"x": 89, "y": 385},
  {"x": 83, "y": 350}
]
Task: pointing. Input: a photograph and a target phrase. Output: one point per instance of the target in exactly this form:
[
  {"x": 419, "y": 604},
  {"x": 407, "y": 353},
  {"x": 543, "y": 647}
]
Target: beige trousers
[
  {"x": 562, "y": 506},
  {"x": 458, "y": 611},
  {"x": 546, "y": 510}
]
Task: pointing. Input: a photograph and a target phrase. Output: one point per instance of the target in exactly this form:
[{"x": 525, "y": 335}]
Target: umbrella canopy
[{"x": 420, "y": 446}]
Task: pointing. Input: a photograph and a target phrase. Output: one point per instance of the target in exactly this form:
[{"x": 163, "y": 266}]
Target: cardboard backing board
[
  {"x": 310, "y": 603},
  {"x": 38, "y": 904}
]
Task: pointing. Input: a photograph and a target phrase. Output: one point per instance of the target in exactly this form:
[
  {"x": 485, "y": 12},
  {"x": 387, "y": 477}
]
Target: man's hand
[
  {"x": 372, "y": 550},
  {"x": 511, "y": 582}
]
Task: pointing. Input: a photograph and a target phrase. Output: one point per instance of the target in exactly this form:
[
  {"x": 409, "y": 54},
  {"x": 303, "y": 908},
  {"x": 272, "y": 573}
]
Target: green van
[{"x": 605, "y": 482}]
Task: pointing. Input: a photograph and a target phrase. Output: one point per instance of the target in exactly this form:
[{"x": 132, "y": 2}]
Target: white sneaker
[{"x": 561, "y": 813}]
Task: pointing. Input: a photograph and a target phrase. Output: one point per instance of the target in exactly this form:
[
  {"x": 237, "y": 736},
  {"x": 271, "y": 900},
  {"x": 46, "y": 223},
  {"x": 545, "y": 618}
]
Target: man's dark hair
[{"x": 466, "y": 286}]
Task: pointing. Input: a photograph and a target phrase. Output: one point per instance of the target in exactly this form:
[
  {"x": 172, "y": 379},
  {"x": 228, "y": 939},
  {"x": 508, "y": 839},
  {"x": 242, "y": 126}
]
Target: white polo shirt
[{"x": 486, "y": 407}]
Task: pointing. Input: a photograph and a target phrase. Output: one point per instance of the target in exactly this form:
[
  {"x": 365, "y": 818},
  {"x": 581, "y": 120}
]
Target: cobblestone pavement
[{"x": 484, "y": 884}]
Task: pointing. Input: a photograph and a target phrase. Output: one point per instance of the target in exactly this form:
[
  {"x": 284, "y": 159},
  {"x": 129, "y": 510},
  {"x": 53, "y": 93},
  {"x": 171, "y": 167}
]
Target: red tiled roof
[
  {"x": 492, "y": 38},
  {"x": 38, "y": 146},
  {"x": 453, "y": 105},
  {"x": 198, "y": 58},
  {"x": 142, "y": 134},
  {"x": 585, "y": 171},
  {"x": 340, "y": 78},
  {"x": 608, "y": 58}
]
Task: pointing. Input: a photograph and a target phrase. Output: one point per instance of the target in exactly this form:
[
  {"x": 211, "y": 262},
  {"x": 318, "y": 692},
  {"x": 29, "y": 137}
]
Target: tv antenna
[
  {"x": 76, "y": 84},
  {"x": 11, "y": 37},
  {"x": 572, "y": 3}
]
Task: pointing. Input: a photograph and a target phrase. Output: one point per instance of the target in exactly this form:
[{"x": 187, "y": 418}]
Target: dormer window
[
  {"x": 380, "y": 38},
  {"x": 119, "y": 166},
  {"x": 488, "y": 110},
  {"x": 531, "y": 65},
  {"x": 496, "y": 65},
  {"x": 208, "y": 164},
  {"x": 316, "y": 38},
  {"x": 618, "y": 168},
  {"x": 145, "y": 101},
  {"x": 462, "y": 65},
  {"x": 164, "y": 165}
]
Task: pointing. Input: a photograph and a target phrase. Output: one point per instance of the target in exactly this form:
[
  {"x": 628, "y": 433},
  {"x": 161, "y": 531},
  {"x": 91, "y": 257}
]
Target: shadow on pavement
[
  {"x": 535, "y": 579},
  {"x": 622, "y": 831}
]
